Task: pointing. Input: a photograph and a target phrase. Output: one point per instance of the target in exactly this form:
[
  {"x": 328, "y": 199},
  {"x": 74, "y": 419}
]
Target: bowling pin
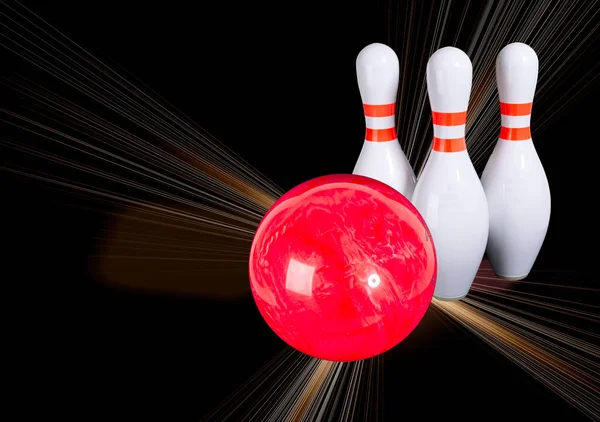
[
  {"x": 513, "y": 179},
  {"x": 381, "y": 157},
  {"x": 448, "y": 193}
]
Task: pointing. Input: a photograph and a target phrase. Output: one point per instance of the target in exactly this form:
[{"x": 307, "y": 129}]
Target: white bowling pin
[
  {"x": 448, "y": 193},
  {"x": 381, "y": 157},
  {"x": 514, "y": 179}
]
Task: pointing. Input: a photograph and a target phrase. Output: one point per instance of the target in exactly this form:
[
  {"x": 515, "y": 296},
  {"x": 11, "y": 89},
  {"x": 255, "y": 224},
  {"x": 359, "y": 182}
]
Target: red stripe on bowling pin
[
  {"x": 449, "y": 131},
  {"x": 515, "y": 121},
  {"x": 381, "y": 122}
]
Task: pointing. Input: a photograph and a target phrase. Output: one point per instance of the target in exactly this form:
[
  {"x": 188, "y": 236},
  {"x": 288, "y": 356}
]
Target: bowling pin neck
[
  {"x": 380, "y": 121},
  {"x": 449, "y": 131},
  {"x": 516, "y": 118}
]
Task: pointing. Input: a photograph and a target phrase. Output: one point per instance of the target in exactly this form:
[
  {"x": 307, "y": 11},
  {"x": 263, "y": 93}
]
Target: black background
[{"x": 266, "y": 80}]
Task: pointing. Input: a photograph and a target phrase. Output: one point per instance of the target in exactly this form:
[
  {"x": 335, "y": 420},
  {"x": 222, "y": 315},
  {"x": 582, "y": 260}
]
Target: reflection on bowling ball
[{"x": 342, "y": 267}]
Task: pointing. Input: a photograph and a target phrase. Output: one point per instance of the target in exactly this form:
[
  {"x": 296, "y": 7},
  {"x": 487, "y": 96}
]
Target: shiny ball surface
[{"x": 342, "y": 267}]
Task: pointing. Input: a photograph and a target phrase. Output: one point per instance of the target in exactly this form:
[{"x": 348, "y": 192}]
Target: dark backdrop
[{"x": 246, "y": 72}]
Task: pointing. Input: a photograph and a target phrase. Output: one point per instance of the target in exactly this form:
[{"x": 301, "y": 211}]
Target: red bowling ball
[{"x": 342, "y": 267}]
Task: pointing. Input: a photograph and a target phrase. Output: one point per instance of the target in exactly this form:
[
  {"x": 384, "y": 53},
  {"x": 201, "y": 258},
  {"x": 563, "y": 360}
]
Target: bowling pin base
[
  {"x": 450, "y": 299},
  {"x": 507, "y": 278}
]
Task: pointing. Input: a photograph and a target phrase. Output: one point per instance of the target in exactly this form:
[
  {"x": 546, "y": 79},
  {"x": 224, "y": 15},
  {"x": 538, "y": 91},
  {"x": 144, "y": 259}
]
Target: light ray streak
[
  {"x": 129, "y": 145},
  {"x": 589, "y": 315},
  {"x": 145, "y": 115},
  {"x": 108, "y": 134},
  {"x": 144, "y": 172},
  {"x": 223, "y": 228},
  {"x": 102, "y": 76},
  {"x": 532, "y": 354},
  {"x": 592, "y": 289},
  {"x": 517, "y": 311},
  {"x": 531, "y": 330},
  {"x": 296, "y": 387}
]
